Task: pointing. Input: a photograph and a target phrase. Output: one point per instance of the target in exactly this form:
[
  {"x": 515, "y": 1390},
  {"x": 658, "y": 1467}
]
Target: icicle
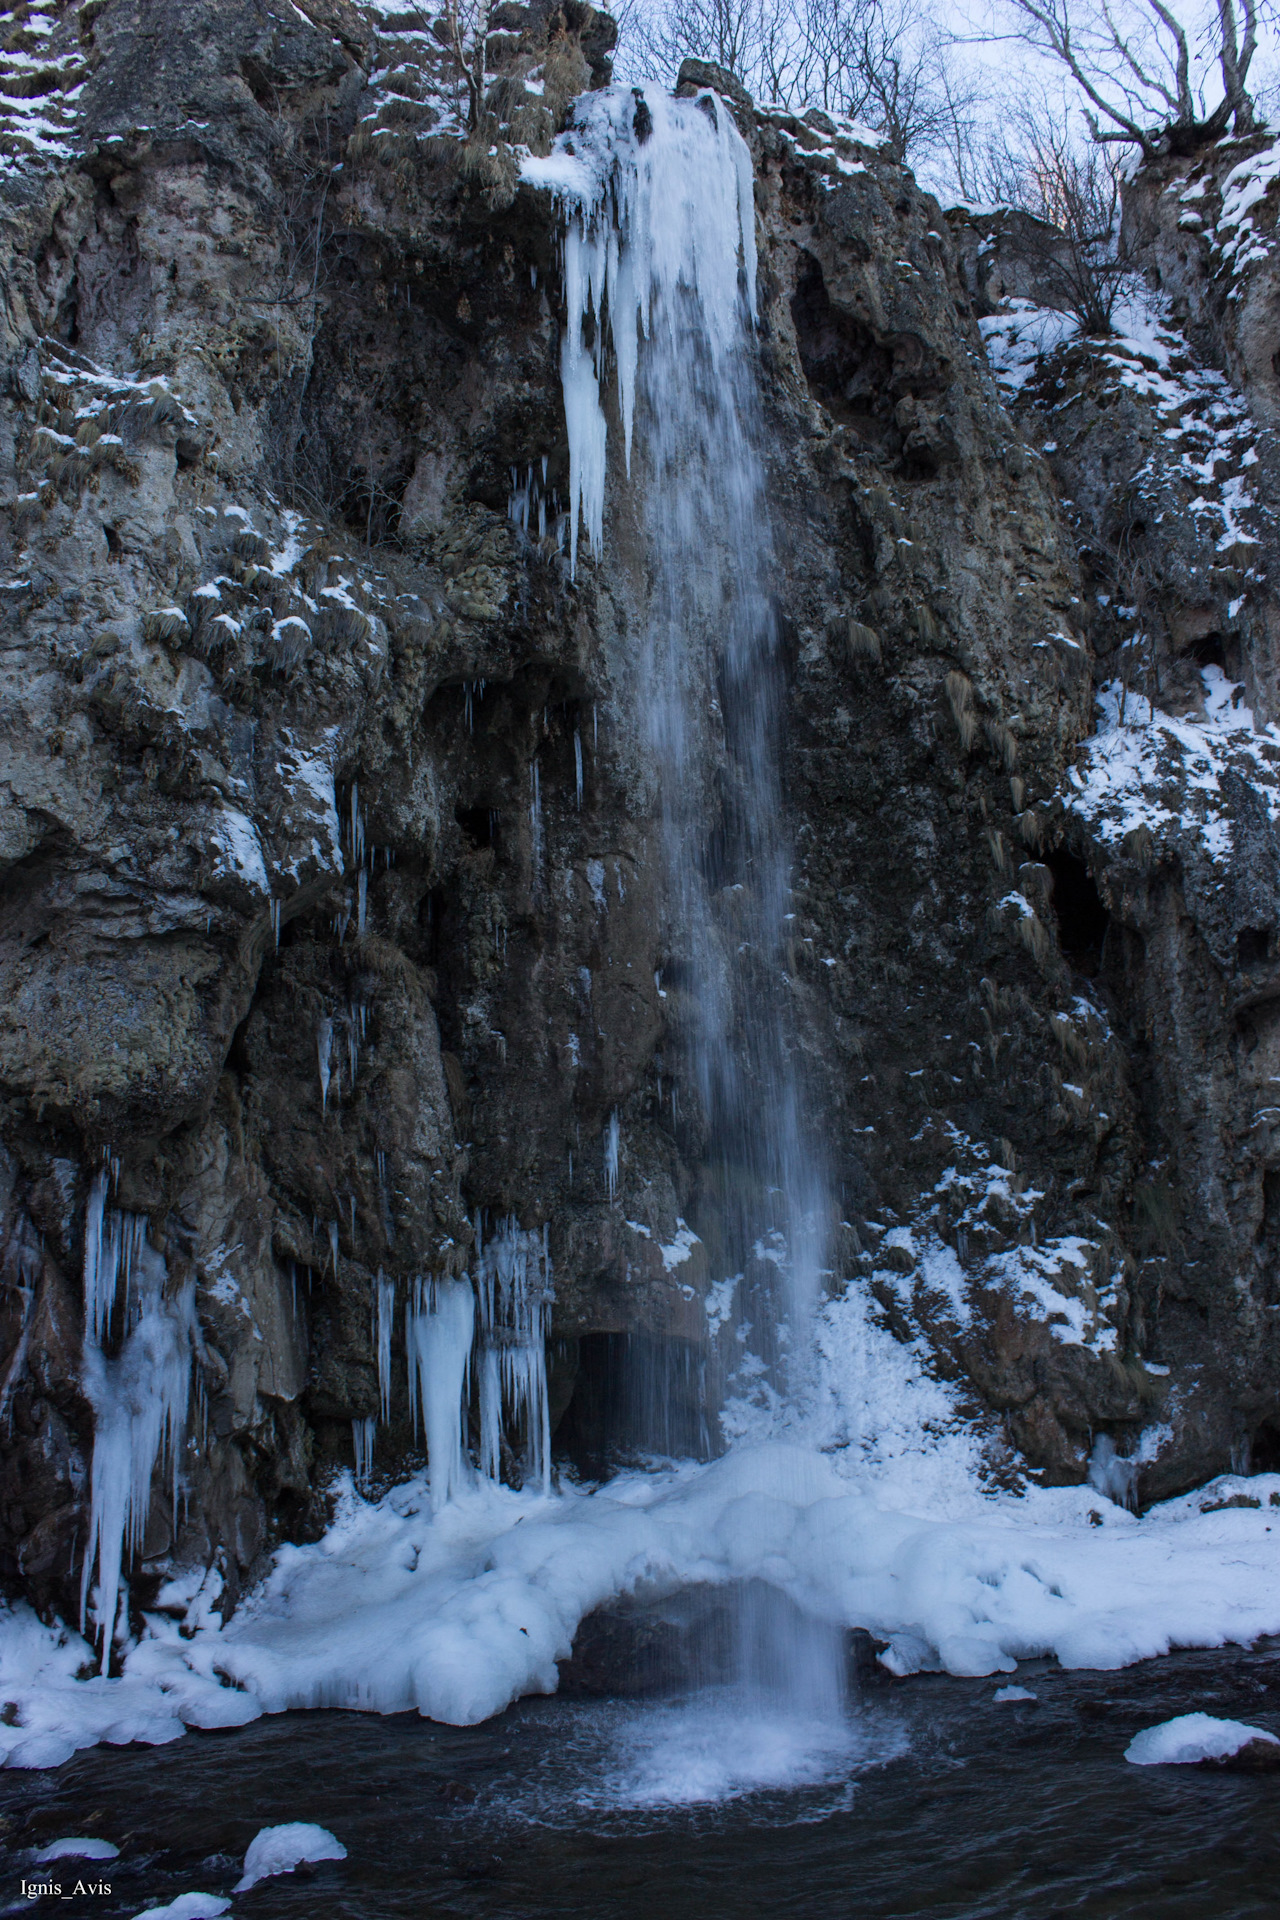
[
  {"x": 362, "y": 901},
  {"x": 386, "y": 1308},
  {"x": 612, "y": 1138},
  {"x": 352, "y": 1024},
  {"x": 275, "y": 922},
  {"x": 333, "y": 1245},
  {"x": 362, "y": 1433},
  {"x": 357, "y": 827},
  {"x": 515, "y": 1293},
  {"x": 535, "y": 820},
  {"x": 324, "y": 1052},
  {"x": 439, "y": 1334},
  {"x": 577, "y": 765}
]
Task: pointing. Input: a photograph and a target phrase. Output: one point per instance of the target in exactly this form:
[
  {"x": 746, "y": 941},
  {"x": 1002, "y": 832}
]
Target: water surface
[{"x": 934, "y": 1801}]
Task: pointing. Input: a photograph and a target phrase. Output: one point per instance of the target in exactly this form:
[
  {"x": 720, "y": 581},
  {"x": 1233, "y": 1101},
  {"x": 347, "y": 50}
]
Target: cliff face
[{"x": 330, "y": 924}]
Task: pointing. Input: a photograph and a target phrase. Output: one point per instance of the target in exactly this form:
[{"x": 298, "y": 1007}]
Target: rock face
[{"x": 330, "y": 933}]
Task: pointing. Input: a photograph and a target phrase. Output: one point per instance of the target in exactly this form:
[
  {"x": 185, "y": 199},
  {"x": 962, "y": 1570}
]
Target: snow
[
  {"x": 677, "y": 1251},
  {"x": 1190, "y": 1738},
  {"x": 237, "y": 849},
  {"x": 281, "y": 1849},
  {"x": 456, "y": 1611},
  {"x": 1239, "y": 241},
  {"x": 1020, "y": 336},
  {"x": 188, "y": 1906},
  {"x": 77, "y": 1848},
  {"x": 1007, "y": 1696},
  {"x": 1146, "y": 769}
]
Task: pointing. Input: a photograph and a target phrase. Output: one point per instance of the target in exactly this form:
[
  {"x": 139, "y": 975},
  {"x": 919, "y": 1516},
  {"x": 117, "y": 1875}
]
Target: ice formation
[
  {"x": 514, "y": 1292},
  {"x": 659, "y": 197},
  {"x": 439, "y": 1324},
  {"x": 76, "y": 1847},
  {"x": 188, "y": 1906},
  {"x": 850, "y": 1488},
  {"x": 138, "y": 1393}
]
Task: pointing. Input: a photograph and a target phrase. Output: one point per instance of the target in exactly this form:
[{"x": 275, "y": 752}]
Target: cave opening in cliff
[
  {"x": 634, "y": 1395},
  {"x": 479, "y": 826},
  {"x": 1264, "y": 1448},
  {"x": 1081, "y": 916}
]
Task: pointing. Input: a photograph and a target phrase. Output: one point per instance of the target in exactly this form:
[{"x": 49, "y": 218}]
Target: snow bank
[
  {"x": 458, "y": 1612},
  {"x": 77, "y": 1847},
  {"x": 1190, "y": 1738},
  {"x": 281, "y": 1849},
  {"x": 188, "y": 1906}
]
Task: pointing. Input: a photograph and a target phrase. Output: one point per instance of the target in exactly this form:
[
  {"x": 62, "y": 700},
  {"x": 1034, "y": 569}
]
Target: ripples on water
[{"x": 927, "y": 1799}]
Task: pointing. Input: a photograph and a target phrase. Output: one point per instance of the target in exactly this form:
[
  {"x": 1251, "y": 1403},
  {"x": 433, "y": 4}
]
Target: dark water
[{"x": 947, "y": 1805}]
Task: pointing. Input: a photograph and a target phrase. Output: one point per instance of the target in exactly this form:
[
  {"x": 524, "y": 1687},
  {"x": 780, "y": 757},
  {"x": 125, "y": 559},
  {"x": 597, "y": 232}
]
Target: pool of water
[{"x": 931, "y": 1799}]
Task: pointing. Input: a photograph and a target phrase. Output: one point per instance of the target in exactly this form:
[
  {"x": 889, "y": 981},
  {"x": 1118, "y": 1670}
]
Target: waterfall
[{"x": 660, "y": 262}]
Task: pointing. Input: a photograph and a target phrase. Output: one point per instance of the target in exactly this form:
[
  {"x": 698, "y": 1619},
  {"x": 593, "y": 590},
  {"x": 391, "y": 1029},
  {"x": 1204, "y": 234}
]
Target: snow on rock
[
  {"x": 1190, "y": 1738},
  {"x": 1020, "y": 337},
  {"x": 1008, "y": 1696},
  {"x": 77, "y": 1847},
  {"x": 1144, "y": 769},
  {"x": 281, "y": 1849},
  {"x": 677, "y": 1251},
  {"x": 188, "y": 1906},
  {"x": 237, "y": 850},
  {"x": 1241, "y": 236}
]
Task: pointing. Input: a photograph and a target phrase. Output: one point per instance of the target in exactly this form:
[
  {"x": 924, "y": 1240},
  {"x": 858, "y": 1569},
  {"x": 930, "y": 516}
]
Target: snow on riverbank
[{"x": 460, "y": 1612}]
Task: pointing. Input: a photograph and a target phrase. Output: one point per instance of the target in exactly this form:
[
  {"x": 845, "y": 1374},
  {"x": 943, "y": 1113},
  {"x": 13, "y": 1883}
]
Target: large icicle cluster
[
  {"x": 139, "y": 1394},
  {"x": 646, "y": 215},
  {"x": 514, "y": 1292}
]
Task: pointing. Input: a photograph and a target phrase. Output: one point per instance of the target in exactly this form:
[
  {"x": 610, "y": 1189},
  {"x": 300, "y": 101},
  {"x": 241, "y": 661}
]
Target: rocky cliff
[{"x": 331, "y": 935}]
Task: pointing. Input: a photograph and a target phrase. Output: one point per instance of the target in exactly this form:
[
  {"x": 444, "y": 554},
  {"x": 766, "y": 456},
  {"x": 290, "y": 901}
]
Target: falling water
[{"x": 660, "y": 261}]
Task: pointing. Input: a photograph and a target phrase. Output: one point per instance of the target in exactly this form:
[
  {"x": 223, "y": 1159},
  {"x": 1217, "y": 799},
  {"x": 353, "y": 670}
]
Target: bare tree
[
  {"x": 1136, "y": 64},
  {"x": 880, "y": 62},
  {"x": 1071, "y": 189}
]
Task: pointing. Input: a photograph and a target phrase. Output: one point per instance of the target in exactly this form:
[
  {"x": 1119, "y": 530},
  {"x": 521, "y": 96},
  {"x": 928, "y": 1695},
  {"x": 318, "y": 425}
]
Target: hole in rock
[
  {"x": 635, "y": 1394},
  {"x": 1253, "y": 948},
  {"x": 1264, "y": 1448},
  {"x": 479, "y": 825},
  {"x": 845, "y": 368},
  {"x": 1082, "y": 918},
  {"x": 1209, "y": 651},
  {"x": 744, "y": 1633}
]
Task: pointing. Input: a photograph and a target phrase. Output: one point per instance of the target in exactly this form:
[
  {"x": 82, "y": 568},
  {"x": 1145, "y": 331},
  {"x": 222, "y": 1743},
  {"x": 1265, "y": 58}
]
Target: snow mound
[
  {"x": 1192, "y": 1737},
  {"x": 1005, "y": 1696},
  {"x": 76, "y": 1848},
  {"x": 188, "y": 1906},
  {"x": 281, "y": 1849}
]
